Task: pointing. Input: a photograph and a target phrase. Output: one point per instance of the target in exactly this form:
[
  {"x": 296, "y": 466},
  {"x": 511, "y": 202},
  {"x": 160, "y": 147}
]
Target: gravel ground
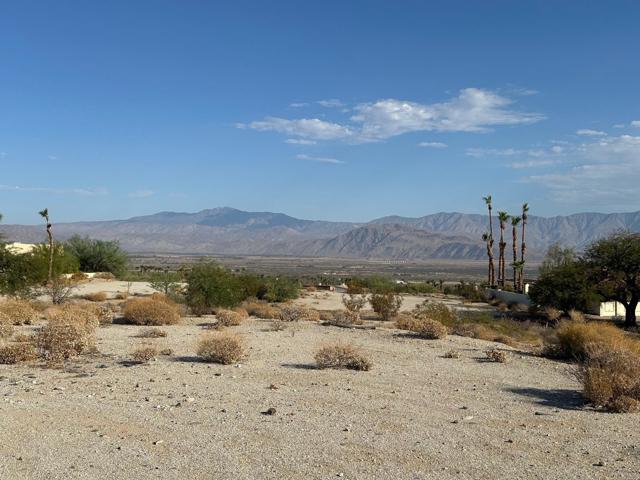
[{"x": 415, "y": 415}]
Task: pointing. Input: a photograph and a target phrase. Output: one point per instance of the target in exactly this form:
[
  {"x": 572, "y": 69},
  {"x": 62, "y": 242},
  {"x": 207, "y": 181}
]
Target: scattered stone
[{"x": 269, "y": 411}]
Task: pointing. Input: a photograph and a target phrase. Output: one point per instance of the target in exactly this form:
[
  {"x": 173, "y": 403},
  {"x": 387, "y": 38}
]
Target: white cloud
[
  {"x": 602, "y": 174},
  {"x": 298, "y": 104},
  {"x": 433, "y": 144},
  {"x": 299, "y": 141},
  {"x": 531, "y": 164},
  {"x": 506, "y": 152},
  {"x": 331, "y": 103},
  {"x": 310, "y": 158},
  {"x": 313, "y": 128},
  {"x": 145, "y": 193},
  {"x": 557, "y": 149},
  {"x": 590, "y": 133},
  {"x": 619, "y": 125},
  {"x": 635, "y": 123},
  {"x": 84, "y": 192},
  {"x": 473, "y": 110}
]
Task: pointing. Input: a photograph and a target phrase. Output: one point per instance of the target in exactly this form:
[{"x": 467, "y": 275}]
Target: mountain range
[{"x": 235, "y": 232}]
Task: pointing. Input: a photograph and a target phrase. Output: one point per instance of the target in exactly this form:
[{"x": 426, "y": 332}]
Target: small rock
[
  {"x": 158, "y": 442},
  {"x": 269, "y": 411},
  {"x": 599, "y": 464}
]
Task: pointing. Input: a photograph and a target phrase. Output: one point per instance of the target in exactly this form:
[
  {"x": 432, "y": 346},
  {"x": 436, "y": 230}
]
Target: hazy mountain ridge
[{"x": 230, "y": 231}]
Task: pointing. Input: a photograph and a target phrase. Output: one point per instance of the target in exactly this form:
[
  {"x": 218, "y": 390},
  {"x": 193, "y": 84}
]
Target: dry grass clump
[
  {"x": 262, "y": 310},
  {"x": 576, "y": 315},
  {"x": 345, "y": 319},
  {"x": 95, "y": 297},
  {"x": 452, "y": 354},
  {"x": 152, "y": 333},
  {"x": 495, "y": 355},
  {"x": 611, "y": 378},
  {"x": 145, "y": 354},
  {"x": 242, "y": 312},
  {"x": 295, "y": 313},
  {"x": 19, "y": 311},
  {"x": 573, "y": 340},
  {"x": 11, "y": 353},
  {"x": 154, "y": 310},
  {"x": 552, "y": 313},
  {"x": 221, "y": 348},
  {"x": 6, "y": 326},
  {"x": 422, "y": 327},
  {"x": 342, "y": 355},
  {"x": 228, "y": 318}
]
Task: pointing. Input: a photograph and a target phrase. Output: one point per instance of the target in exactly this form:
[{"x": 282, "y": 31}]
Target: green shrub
[
  {"x": 210, "y": 286},
  {"x": 97, "y": 255}
]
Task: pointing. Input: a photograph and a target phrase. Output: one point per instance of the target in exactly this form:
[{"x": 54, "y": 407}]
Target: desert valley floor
[{"x": 415, "y": 415}]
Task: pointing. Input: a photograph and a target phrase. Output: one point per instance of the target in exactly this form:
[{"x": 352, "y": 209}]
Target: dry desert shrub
[
  {"x": 422, "y": 327},
  {"x": 11, "y": 353},
  {"x": 296, "y": 313},
  {"x": 19, "y": 311},
  {"x": 345, "y": 319},
  {"x": 495, "y": 355},
  {"x": 24, "y": 338},
  {"x": 166, "y": 352},
  {"x": 435, "y": 311},
  {"x": 611, "y": 378},
  {"x": 95, "y": 297},
  {"x": 152, "y": 333},
  {"x": 386, "y": 305},
  {"x": 221, "y": 348},
  {"x": 572, "y": 340},
  {"x": 242, "y": 312},
  {"x": 105, "y": 276},
  {"x": 452, "y": 354},
  {"x": 228, "y": 318},
  {"x": 262, "y": 310},
  {"x": 277, "y": 326},
  {"x": 69, "y": 332},
  {"x": 342, "y": 355},
  {"x": 154, "y": 310},
  {"x": 6, "y": 326},
  {"x": 144, "y": 354},
  {"x": 79, "y": 277}
]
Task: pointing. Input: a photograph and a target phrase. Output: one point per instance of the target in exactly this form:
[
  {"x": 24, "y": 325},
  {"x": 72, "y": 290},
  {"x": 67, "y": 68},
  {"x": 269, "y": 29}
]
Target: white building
[{"x": 611, "y": 309}]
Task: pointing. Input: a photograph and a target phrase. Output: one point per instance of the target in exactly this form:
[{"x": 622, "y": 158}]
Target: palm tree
[
  {"x": 492, "y": 271},
  {"x": 503, "y": 217},
  {"x": 486, "y": 237},
  {"x": 518, "y": 266},
  {"x": 45, "y": 214},
  {"x": 514, "y": 233},
  {"x": 523, "y": 248}
]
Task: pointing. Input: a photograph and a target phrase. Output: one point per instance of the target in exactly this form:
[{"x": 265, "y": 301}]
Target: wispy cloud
[
  {"x": 531, "y": 164},
  {"x": 300, "y": 141},
  {"x": 144, "y": 193},
  {"x": 85, "y": 192},
  {"x": 331, "y": 103},
  {"x": 298, "y": 104},
  {"x": 433, "y": 144},
  {"x": 473, "y": 110},
  {"x": 587, "y": 132},
  {"x": 310, "y": 158},
  {"x": 635, "y": 123},
  {"x": 505, "y": 152}
]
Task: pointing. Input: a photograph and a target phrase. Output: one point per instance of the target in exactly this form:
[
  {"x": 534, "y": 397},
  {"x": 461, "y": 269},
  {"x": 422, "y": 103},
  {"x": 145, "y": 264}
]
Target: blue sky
[{"x": 338, "y": 110}]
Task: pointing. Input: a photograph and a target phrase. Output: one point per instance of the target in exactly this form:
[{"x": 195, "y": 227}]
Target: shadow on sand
[{"x": 564, "y": 399}]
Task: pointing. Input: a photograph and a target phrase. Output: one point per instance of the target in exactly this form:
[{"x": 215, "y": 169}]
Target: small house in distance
[{"x": 610, "y": 309}]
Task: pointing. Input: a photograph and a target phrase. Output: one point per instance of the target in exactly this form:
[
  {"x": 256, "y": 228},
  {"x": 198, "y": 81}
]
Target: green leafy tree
[
  {"x": 614, "y": 266},
  {"x": 564, "y": 282},
  {"x": 98, "y": 255},
  {"x": 210, "y": 285}
]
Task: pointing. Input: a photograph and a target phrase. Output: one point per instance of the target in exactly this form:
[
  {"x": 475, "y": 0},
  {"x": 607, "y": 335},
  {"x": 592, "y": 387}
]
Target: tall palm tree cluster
[{"x": 518, "y": 263}]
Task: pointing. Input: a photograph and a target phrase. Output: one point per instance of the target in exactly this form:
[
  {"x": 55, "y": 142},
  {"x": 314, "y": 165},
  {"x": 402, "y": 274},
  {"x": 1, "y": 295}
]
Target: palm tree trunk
[
  {"x": 514, "y": 232},
  {"x": 523, "y": 251},
  {"x": 50, "y": 235}
]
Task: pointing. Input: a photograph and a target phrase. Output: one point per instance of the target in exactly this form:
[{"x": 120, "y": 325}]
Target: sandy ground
[{"x": 415, "y": 415}]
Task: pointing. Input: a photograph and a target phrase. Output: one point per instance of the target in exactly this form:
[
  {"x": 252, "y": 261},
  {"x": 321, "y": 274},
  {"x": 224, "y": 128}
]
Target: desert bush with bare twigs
[
  {"x": 296, "y": 313},
  {"x": 495, "y": 355},
  {"x": 145, "y": 354},
  {"x": 6, "y": 326},
  {"x": 19, "y": 311},
  {"x": 11, "y": 353},
  {"x": 386, "y": 305},
  {"x": 95, "y": 297},
  {"x": 152, "y": 333},
  {"x": 261, "y": 310},
  {"x": 221, "y": 348},
  {"x": 422, "y": 327},
  {"x": 154, "y": 310},
  {"x": 228, "y": 318},
  {"x": 342, "y": 355}
]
